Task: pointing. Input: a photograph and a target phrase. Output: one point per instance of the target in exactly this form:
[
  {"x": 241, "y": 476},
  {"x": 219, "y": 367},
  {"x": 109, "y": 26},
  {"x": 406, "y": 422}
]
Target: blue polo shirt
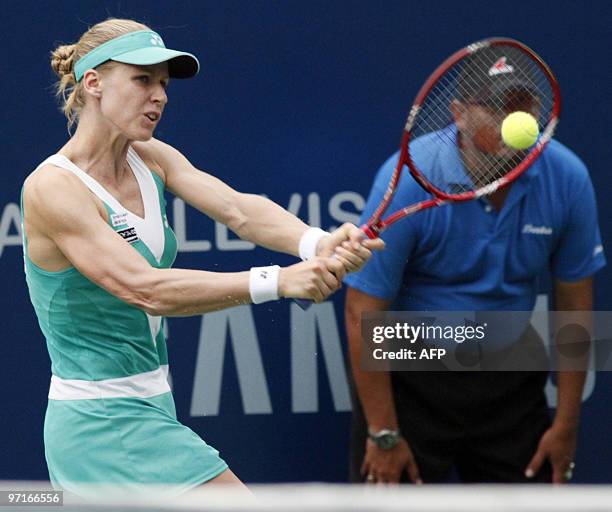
[{"x": 468, "y": 256}]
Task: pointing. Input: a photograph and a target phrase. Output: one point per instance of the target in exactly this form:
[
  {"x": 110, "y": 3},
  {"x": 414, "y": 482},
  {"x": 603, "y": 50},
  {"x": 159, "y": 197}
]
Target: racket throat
[{"x": 372, "y": 232}]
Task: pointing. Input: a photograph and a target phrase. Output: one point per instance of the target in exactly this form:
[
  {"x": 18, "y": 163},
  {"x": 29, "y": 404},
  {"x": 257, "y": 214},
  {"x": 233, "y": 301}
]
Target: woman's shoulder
[
  {"x": 50, "y": 192},
  {"x": 153, "y": 153},
  {"x": 49, "y": 177}
]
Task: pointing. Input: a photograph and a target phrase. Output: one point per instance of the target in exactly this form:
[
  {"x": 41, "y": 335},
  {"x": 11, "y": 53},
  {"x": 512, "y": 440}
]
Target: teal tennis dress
[{"x": 111, "y": 418}]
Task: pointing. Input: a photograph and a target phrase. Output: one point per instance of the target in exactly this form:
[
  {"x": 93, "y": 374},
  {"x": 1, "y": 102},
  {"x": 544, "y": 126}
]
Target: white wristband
[
  {"x": 309, "y": 241},
  {"x": 263, "y": 284}
]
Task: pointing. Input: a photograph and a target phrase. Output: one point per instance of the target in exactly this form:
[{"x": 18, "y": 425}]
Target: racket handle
[
  {"x": 370, "y": 232},
  {"x": 303, "y": 303}
]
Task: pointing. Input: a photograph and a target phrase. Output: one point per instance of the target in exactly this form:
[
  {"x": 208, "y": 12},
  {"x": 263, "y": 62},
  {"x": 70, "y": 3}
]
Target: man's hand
[
  {"x": 348, "y": 245},
  {"x": 558, "y": 445},
  {"x": 386, "y": 466}
]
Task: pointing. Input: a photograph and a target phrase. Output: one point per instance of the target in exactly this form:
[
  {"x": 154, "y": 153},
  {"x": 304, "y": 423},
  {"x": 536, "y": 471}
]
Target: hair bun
[{"x": 62, "y": 59}]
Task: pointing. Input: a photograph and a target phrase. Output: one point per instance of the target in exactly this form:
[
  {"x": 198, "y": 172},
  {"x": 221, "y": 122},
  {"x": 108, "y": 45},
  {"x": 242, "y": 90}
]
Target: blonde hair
[{"x": 64, "y": 57}]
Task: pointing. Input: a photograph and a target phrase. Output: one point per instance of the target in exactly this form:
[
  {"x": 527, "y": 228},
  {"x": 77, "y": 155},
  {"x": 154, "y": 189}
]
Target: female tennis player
[{"x": 98, "y": 248}]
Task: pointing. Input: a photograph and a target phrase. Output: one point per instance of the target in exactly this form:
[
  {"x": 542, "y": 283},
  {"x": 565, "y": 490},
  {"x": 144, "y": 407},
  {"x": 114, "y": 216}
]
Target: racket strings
[{"x": 464, "y": 111}]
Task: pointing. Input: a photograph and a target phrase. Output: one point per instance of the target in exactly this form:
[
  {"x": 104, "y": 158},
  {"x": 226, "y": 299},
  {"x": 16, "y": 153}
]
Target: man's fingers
[
  {"x": 535, "y": 464},
  {"x": 413, "y": 472},
  {"x": 391, "y": 477},
  {"x": 562, "y": 469},
  {"x": 365, "y": 466},
  {"x": 558, "y": 476},
  {"x": 381, "y": 476}
]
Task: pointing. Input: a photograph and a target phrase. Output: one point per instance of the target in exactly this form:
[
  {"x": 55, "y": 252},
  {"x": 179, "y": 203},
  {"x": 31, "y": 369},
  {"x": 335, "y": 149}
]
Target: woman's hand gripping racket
[{"x": 460, "y": 109}]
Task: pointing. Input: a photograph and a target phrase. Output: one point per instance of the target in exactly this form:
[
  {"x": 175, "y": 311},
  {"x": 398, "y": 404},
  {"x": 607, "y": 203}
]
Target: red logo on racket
[{"x": 501, "y": 66}]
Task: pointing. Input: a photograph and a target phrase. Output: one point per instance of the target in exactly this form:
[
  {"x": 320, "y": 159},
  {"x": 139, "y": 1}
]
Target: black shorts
[{"x": 484, "y": 425}]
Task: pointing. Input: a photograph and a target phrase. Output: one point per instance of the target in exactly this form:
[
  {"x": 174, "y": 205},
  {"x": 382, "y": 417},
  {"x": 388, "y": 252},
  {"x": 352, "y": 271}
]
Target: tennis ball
[{"x": 520, "y": 130}]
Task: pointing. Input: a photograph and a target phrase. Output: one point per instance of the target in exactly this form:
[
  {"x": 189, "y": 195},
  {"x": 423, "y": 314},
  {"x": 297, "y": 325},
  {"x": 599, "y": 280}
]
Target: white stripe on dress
[{"x": 142, "y": 385}]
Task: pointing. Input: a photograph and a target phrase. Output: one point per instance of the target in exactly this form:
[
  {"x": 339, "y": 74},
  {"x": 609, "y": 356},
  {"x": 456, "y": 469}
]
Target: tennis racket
[{"x": 460, "y": 107}]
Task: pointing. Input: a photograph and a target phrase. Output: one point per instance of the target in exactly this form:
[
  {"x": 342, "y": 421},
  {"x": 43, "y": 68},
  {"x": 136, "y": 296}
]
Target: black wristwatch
[{"x": 385, "y": 439}]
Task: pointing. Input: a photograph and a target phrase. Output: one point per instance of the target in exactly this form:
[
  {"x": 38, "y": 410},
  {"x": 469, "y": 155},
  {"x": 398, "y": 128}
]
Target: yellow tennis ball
[{"x": 520, "y": 130}]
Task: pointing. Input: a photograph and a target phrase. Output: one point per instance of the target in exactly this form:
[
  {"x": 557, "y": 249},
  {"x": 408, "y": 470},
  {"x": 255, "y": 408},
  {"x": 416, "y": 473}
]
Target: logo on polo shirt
[{"x": 530, "y": 229}]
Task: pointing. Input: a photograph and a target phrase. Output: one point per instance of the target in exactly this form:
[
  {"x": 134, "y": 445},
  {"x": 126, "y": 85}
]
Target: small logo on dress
[
  {"x": 537, "y": 230},
  {"x": 501, "y": 66},
  {"x": 129, "y": 235},
  {"x": 118, "y": 219}
]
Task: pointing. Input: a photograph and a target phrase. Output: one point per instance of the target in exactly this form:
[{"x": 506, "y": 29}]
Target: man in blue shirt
[{"x": 485, "y": 254}]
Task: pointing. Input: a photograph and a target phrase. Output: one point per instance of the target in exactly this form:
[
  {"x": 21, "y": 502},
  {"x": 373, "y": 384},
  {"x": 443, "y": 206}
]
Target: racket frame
[{"x": 376, "y": 225}]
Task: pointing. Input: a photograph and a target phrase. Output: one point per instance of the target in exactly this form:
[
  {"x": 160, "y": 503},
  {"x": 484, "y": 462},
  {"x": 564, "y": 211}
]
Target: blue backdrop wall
[{"x": 301, "y": 101}]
